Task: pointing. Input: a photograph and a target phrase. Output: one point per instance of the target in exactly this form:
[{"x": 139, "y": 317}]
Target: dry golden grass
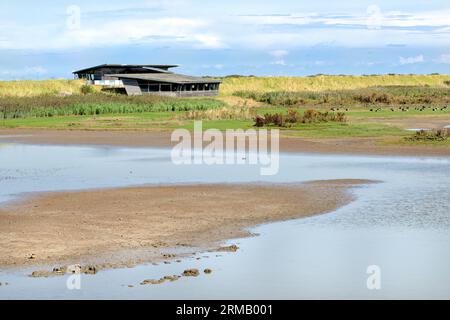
[
  {"x": 324, "y": 82},
  {"x": 32, "y": 88},
  {"x": 227, "y": 113}
]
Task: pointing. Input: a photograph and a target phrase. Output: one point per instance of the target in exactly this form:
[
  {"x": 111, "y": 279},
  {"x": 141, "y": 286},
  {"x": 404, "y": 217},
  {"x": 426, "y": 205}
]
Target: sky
[{"x": 50, "y": 39}]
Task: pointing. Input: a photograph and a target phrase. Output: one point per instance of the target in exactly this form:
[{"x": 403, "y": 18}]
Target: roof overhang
[{"x": 143, "y": 66}]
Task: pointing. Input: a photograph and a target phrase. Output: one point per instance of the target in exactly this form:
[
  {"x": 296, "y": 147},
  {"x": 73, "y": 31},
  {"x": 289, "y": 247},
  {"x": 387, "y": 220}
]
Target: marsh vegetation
[{"x": 316, "y": 106}]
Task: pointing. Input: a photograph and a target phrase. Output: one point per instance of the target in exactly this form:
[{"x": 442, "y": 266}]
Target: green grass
[
  {"x": 444, "y": 143},
  {"x": 333, "y": 129},
  {"x": 171, "y": 120},
  {"x": 97, "y": 104}
]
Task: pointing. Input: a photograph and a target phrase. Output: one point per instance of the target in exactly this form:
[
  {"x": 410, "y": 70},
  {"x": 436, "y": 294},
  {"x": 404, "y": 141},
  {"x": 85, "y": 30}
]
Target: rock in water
[{"x": 191, "y": 273}]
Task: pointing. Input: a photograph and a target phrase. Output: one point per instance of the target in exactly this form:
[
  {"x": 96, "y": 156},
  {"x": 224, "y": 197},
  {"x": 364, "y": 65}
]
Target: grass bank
[{"x": 327, "y": 83}]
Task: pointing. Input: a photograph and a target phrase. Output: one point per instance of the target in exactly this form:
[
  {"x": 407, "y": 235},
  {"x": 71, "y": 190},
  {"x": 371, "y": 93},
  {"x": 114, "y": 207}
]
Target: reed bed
[
  {"x": 226, "y": 113},
  {"x": 96, "y": 104},
  {"x": 367, "y": 96},
  {"x": 294, "y": 117}
]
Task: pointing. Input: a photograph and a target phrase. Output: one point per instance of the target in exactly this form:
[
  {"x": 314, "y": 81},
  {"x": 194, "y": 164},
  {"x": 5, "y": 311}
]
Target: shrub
[
  {"x": 310, "y": 116},
  {"x": 276, "y": 119},
  {"x": 225, "y": 113},
  {"x": 260, "y": 121},
  {"x": 293, "y": 117},
  {"x": 430, "y": 135},
  {"x": 87, "y": 89},
  {"x": 374, "y": 97}
]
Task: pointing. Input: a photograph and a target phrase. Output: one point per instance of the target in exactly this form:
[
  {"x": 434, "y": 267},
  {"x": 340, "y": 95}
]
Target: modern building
[{"x": 148, "y": 79}]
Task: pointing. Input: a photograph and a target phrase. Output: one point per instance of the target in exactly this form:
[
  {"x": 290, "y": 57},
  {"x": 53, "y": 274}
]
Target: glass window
[{"x": 154, "y": 88}]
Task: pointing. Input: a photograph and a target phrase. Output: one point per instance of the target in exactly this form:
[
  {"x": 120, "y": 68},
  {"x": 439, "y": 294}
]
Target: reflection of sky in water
[{"x": 401, "y": 224}]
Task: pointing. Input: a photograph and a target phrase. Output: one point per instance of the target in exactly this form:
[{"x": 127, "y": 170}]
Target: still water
[{"x": 401, "y": 225}]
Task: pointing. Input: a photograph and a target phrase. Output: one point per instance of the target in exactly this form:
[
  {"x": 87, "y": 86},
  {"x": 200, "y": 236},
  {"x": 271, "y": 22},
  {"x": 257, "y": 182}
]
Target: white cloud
[
  {"x": 128, "y": 31},
  {"x": 323, "y": 63},
  {"x": 217, "y": 66},
  {"x": 374, "y": 14},
  {"x": 171, "y": 30},
  {"x": 411, "y": 60},
  {"x": 34, "y": 71},
  {"x": 279, "y": 62},
  {"x": 279, "y": 53},
  {"x": 444, "y": 58},
  {"x": 207, "y": 41},
  {"x": 359, "y": 29},
  {"x": 186, "y": 25}
]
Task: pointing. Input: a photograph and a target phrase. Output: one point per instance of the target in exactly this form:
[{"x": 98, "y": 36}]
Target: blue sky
[{"x": 48, "y": 39}]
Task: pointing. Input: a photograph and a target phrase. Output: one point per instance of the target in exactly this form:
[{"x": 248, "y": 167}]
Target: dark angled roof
[
  {"x": 152, "y": 66},
  {"x": 166, "y": 77}
]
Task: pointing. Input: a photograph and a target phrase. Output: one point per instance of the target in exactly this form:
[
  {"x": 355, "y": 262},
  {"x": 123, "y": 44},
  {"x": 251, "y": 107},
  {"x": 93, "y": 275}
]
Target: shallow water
[{"x": 401, "y": 225}]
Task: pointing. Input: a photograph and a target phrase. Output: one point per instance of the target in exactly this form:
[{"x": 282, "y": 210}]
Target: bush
[
  {"x": 87, "y": 89},
  {"x": 312, "y": 116},
  {"x": 225, "y": 113},
  {"x": 276, "y": 119},
  {"x": 431, "y": 135},
  {"x": 374, "y": 97},
  {"x": 260, "y": 121},
  {"x": 293, "y": 117}
]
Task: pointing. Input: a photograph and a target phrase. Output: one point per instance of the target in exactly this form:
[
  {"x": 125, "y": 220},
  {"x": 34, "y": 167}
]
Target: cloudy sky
[{"x": 46, "y": 39}]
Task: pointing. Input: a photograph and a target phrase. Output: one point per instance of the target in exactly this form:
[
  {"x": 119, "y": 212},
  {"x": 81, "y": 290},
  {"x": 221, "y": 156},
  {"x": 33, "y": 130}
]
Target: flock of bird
[
  {"x": 339, "y": 109},
  {"x": 402, "y": 109},
  {"x": 406, "y": 109}
]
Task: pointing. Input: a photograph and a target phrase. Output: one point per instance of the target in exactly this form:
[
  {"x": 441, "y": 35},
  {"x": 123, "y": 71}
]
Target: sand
[
  {"x": 157, "y": 138},
  {"x": 127, "y": 226}
]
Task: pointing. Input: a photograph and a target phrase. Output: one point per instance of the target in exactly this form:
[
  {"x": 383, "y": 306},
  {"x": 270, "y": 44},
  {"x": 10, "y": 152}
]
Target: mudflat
[
  {"x": 161, "y": 139},
  {"x": 139, "y": 224}
]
